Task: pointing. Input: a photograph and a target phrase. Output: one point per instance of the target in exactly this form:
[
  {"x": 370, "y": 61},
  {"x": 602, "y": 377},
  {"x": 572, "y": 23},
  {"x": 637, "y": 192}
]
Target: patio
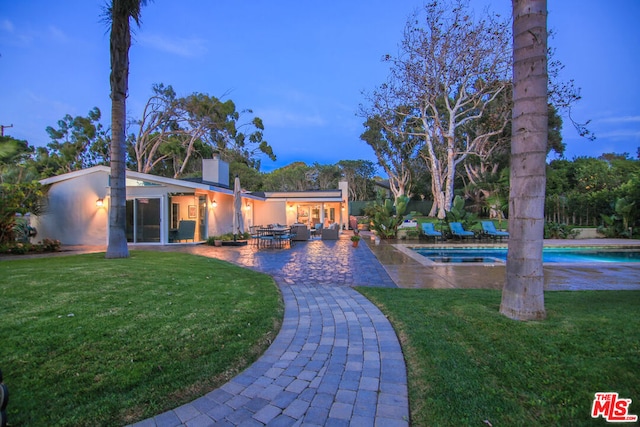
[{"x": 391, "y": 264}]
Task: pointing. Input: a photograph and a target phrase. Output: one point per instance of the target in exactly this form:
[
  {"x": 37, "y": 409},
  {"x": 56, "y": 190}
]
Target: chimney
[{"x": 215, "y": 171}]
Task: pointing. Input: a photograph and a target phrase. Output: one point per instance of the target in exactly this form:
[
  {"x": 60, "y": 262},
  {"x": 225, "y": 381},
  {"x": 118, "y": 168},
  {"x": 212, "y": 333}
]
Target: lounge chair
[
  {"x": 489, "y": 229},
  {"x": 429, "y": 230},
  {"x": 458, "y": 231}
]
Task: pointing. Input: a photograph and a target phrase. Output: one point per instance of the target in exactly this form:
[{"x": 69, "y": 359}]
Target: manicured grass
[
  {"x": 87, "y": 341},
  {"x": 467, "y": 363}
]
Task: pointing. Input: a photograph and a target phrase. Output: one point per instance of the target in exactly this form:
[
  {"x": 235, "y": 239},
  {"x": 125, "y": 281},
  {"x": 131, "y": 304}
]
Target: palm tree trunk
[
  {"x": 120, "y": 42},
  {"x": 523, "y": 292}
]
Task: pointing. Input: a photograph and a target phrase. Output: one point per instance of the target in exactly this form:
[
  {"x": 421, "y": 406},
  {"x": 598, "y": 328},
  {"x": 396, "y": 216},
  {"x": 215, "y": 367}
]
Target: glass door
[
  {"x": 310, "y": 215},
  {"x": 143, "y": 220}
]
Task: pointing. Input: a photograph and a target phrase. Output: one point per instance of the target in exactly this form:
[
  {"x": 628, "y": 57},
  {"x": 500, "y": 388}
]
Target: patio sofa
[{"x": 331, "y": 232}]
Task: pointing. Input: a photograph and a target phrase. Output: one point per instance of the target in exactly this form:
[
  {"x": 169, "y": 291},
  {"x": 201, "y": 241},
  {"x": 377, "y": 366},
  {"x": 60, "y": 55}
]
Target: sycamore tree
[{"x": 450, "y": 68}]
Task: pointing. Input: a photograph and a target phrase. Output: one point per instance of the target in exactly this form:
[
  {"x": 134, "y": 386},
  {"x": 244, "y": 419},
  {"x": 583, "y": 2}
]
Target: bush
[
  {"x": 20, "y": 248},
  {"x": 50, "y": 245},
  {"x": 227, "y": 237},
  {"x": 554, "y": 230}
]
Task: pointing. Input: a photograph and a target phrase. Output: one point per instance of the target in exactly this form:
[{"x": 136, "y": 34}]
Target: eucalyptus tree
[
  {"x": 450, "y": 68},
  {"x": 77, "y": 142},
  {"x": 325, "y": 176},
  {"x": 16, "y": 165},
  {"x": 118, "y": 14},
  {"x": 292, "y": 177},
  {"x": 523, "y": 291},
  {"x": 394, "y": 150},
  {"x": 359, "y": 176},
  {"x": 175, "y": 129}
]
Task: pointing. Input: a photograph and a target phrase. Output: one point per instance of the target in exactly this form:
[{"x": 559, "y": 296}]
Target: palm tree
[
  {"x": 118, "y": 14},
  {"x": 523, "y": 292}
]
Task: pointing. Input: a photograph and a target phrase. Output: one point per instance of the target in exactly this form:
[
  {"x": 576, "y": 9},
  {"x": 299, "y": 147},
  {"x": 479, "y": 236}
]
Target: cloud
[
  {"x": 621, "y": 119},
  {"x": 57, "y": 34},
  {"x": 619, "y": 134},
  {"x": 189, "y": 48},
  {"x": 6, "y": 25}
]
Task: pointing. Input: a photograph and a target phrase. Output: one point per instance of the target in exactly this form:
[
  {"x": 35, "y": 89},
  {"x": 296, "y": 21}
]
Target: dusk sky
[{"x": 300, "y": 66}]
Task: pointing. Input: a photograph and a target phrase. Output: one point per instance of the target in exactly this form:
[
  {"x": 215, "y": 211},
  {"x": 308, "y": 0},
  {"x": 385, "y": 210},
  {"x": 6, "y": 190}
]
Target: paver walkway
[{"x": 336, "y": 360}]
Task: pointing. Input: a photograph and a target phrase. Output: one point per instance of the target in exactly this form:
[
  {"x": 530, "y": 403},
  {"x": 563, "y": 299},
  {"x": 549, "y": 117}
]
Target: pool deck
[{"x": 410, "y": 270}]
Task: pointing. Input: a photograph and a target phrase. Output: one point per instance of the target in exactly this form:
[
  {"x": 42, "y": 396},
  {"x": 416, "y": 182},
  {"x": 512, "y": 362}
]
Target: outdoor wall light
[
  {"x": 248, "y": 206},
  {"x": 214, "y": 204},
  {"x": 99, "y": 203}
]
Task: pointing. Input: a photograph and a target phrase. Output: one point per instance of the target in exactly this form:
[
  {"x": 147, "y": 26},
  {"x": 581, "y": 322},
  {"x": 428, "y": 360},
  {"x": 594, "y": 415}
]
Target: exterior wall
[
  {"x": 271, "y": 212},
  {"x": 72, "y": 216},
  {"x": 221, "y": 217},
  {"x": 74, "y": 219}
]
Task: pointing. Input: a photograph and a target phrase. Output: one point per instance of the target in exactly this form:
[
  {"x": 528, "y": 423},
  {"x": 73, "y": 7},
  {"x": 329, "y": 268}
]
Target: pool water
[{"x": 551, "y": 255}]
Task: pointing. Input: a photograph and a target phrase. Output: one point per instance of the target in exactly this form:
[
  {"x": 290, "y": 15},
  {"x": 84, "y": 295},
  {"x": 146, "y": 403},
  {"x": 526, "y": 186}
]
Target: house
[{"x": 160, "y": 209}]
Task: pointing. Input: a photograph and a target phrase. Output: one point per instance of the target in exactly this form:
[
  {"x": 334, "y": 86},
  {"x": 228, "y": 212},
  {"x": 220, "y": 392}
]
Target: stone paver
[{"x": 336, "y": 360}]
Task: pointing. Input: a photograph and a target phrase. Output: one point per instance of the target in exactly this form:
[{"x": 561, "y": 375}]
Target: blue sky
[{"x": 300, "y": 66}]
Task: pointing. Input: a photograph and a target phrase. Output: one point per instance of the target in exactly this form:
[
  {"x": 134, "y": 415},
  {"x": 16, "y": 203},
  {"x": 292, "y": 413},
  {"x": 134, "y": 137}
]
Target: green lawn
[
  {"x": 89, "y": 341},
  {"x": 467, "y": 363}
]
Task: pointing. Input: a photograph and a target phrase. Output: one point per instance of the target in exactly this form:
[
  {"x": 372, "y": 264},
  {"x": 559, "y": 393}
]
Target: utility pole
[{"x": 2, "y": 128}]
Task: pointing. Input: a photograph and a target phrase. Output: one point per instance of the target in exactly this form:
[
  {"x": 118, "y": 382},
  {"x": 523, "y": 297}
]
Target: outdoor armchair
[
  {"x": 186, "y": 230},
  {"x": 331, "y": 233}
]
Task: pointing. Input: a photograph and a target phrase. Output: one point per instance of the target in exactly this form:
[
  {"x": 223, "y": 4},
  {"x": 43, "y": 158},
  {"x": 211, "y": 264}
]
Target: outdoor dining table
[{"x": 273, "y": 236}]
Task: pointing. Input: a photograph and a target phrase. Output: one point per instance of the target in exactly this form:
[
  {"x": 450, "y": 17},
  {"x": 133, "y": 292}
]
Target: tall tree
[
  {"x": 119, "y": 13},
  {"x": 451, "y": 67},
  {"x": 394, "y": 150},
  {"x": 359, "y": 176},
  {"x": 77, "y": 143},
  {"x": 523, "y": 291},
  {"x": 176, "y": 130},
  {"x": 293, "y": 177}
]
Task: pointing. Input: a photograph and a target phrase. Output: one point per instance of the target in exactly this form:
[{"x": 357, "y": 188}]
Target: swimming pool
[{"x": 549, "y": 255}]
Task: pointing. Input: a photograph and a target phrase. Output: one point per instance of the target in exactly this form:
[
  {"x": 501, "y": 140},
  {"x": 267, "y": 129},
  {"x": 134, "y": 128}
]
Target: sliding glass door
[{"x": 143, "y": 220}]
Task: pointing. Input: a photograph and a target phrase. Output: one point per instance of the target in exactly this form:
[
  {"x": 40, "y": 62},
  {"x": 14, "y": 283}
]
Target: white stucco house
[{"x": 164, "y": 210}]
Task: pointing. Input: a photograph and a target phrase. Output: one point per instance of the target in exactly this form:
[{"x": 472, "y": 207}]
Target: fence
[{"x": 357, "y": 208}]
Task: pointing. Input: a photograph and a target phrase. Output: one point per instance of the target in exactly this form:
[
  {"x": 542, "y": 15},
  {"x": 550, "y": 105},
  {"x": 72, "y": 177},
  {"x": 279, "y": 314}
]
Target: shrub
[
  {"x": 554, "y": 230},
  {"x": 50, "y": 245}
]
